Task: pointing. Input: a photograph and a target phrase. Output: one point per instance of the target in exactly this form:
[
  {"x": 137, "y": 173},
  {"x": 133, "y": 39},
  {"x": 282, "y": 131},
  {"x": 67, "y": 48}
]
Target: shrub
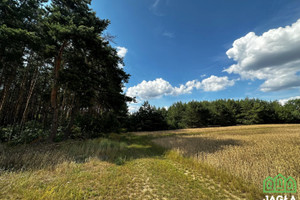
[{"x": 30, "y": 132}]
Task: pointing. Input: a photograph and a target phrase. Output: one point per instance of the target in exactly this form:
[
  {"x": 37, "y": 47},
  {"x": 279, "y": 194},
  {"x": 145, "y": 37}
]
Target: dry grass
[
  {"x": 250, "y": 152},
  {"x": 123, "y": 167},
  {"x": 133, "y": 167},
  {"x": 198, "y": 131},
  {"x": 91, "y": 170},
  {"x": 41, "y": 156}
]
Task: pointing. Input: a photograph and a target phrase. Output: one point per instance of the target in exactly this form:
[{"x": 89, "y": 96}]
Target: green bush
[
  {"x": 97, "y": 126},
  {"x": 28, "y": 133}
]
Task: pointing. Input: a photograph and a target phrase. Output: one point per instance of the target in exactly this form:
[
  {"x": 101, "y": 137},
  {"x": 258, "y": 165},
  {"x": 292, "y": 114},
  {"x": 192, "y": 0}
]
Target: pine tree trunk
[
  {"x": 20, "y": 99},
  {"x": 71, "y": 123},
  {"x": 1, "y": 77},
  {"x": 45, "y": 116},
  {"x": 54, "y": 91},
  {"x": 5, "y": 93},
  {"x": 54, "y": 101},
  {"x": 32, "y": 86}
]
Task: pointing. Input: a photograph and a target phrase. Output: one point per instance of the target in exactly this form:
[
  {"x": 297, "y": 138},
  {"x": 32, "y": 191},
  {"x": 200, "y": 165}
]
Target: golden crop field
[
  {"x": 250, "y": 152},
  {"x": 207, "y": 163}
]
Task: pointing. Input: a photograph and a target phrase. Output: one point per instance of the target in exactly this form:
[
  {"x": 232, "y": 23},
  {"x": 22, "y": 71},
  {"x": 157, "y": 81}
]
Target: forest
[
  {"x": 59, "y": 73},
  {"x": 60, "y": 78},
  {"x": 223, "y": 112}
]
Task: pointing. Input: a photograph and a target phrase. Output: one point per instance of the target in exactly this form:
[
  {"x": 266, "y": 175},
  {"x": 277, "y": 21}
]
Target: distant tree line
[
  {"x": 59, "y": 75},
  {"x": 229, "y": 112}
]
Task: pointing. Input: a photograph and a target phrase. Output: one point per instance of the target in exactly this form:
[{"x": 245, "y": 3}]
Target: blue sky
[{"x": 205, "y": 50}]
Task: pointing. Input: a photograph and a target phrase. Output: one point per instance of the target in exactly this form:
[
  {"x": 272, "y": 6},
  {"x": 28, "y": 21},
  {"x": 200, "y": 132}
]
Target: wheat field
[
  {"x": 250, "y": 152},
  {"x": 208, "y": 163}
]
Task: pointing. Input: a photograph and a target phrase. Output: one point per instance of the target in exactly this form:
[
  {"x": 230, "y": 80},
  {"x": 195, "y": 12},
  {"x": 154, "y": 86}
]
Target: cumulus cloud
[
  {"x": 122, "y": 51},
  {"x": 215, "y": 83},
  {"x": 159, "y": 87},
  {"x": 150, "y": 89},
  {"x": 273, "y": 57},
  {"x": 133, "y": 107},
  {"x": 284, "y": 101}
]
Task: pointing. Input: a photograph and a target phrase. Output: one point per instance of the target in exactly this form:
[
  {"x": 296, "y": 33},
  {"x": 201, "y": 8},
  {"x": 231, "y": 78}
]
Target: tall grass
[
  {"x": 218, "y": 164},
  {"x": 250, "y": 152},
  {"x": 26, "y": 157}
]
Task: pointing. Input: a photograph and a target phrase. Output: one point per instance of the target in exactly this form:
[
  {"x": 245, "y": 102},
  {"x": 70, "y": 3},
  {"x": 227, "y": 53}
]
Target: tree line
[
  {"x": 224, "y": 112},
  {"x": 59, "y": 75}
]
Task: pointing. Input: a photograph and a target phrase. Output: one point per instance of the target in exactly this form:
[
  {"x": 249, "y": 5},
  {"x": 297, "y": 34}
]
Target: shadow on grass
[
  {"x": 118, "y": 149},
  {"x": 191, "y": 146}
]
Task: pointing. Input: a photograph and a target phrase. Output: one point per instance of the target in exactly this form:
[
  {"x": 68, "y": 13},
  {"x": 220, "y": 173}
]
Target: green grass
[{"x": 122, "y": 167}]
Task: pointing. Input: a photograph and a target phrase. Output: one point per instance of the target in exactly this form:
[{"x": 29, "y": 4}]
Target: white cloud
[
  {"x": 155, "y": 4},
  {"x": 133, "y": 107},
  {"x": 168, "y": 34},
  {"x": 150, "y": 89},
  {"x": 273, "y": 57},
  {"x": 159, "y": 87},
  {"x": 284, "y": 101},
  {"x": 122, "y": 51},
  {"x": 215, "y": 83},
  {"x": 154, "y": 8}
]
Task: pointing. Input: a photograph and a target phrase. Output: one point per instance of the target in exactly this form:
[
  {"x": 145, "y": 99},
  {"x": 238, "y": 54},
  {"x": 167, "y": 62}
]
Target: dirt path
[{"x": 158, "y": 178}]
